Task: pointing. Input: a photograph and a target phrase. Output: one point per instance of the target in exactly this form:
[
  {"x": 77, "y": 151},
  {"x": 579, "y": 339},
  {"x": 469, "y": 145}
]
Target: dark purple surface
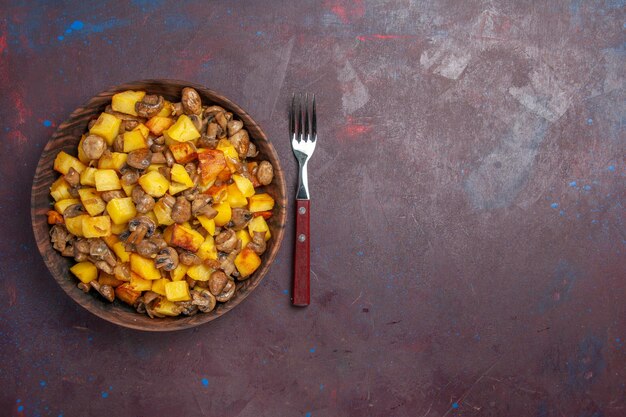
[{"x": 468, "y": 233}]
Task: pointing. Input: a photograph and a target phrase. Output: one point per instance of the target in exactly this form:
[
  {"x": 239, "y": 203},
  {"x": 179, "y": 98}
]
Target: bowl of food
[{"x": 158, "y": 205}]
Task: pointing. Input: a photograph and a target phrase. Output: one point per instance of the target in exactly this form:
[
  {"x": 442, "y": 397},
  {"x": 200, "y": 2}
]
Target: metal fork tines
[{"x": 303, "y": 129}]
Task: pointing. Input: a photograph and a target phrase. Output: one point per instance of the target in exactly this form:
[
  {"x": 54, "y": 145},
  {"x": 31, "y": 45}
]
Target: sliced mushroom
[
  {"x": 59, "y": 236},
  {"x": 221, "y": 120},
  {"x": 189, "y": 258},
  {"x": 73, "y": 211},
  {"x": 192, "y": 104},
  {"x": 84, "y": 287},
  {"x": 139, "y": 158},
  {"x": 118, "y": 143},
  {"x": 234, "y": 126},
  {"x": 252, "y": 151},
  {"x": 176, "y": 109},
  {"x": 217, "y": 282},
  {"x": 99, "y": 251},
  {"x": 72, "y": 177},
  {"x": 144, "y": 202},
  {"x": 191, "y": 194},
  {"x": 141, "y": 226},
  {"x": 187, "y": 308},
  {"x": 240, "y": 218},
  {"x": 213, "y": 110},
  {"x": 181, "y": 211},
  {"x": 226, "y": 241},
  {"x": 265, "y": 173},
  {"x": 110, "y": 195},
  {"x": 147, "y": 248},
  {"x": 156, "y": 148},
  {"x": 197, "y": 121},
  {"x": 145, "y": 303},
  {"x": 122, "y": 272},
  {"x": 213, "y": 131},
  {"x": 94, "y": 146},
  {"x": 102, "y": 265},
  {"x": 241, "y": 142},
  {"x": 207, "y": 142},
  {"x": 203, "y": 299},
  {"x": 168, "y": 200},
  {"x": 166, "y": 172},
  {"x": 201, "y": 206},
  {"x": 258, "y": 244},
  {"x": 130, "y": 177},
  {"x": 105, "y": 290},
  {"x": 149, "y": 106},
  {"x": 227, "y": 263},
  {"x": 169, "y": 158},
  {"x": 167, "y": 259},
  {"x": 158, "y": 158},
  {"x": 228, "y": 292},
  {"x": 128, "y": 125}
]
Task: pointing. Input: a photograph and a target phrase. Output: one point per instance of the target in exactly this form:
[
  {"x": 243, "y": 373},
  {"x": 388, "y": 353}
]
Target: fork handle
[{"x": 302, "y": 263}]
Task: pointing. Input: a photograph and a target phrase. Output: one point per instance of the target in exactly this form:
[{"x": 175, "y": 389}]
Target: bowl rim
[{"x": 156, "y": 324}]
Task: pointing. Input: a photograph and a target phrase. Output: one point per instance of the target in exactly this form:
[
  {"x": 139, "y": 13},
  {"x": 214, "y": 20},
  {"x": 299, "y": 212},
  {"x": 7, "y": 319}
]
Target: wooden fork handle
[{"x": 302, "y": 253}]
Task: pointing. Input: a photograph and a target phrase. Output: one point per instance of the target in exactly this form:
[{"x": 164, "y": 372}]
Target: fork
[{"x": 303, "y": 131}]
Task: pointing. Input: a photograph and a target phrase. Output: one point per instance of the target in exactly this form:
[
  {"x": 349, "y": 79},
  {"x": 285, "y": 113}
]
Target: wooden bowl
[{"x": 66, "y": 138}]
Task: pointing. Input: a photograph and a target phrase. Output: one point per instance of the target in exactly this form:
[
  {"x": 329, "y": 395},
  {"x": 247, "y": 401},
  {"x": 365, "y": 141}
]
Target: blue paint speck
[
  {"x": 20, "y": 408},
  {"x": 587, "y": 187},
  {"x": 110, "y": 387},
  {"x": 308, "y": 414},
  {"x": 259, "y": 33},
  {"x": 90, "y": 338},
  {"x": 60, "y": 415},
  {"x": 312, "y": 350},
  {"x": 554, "y": 205},
  {"x": 105, "y": 394},
  {"x": 285, "y": 291},
  {"x": 321, "y": 387},
  {"x": 18, "y": 401},
  {"x": 594, "y": 221},
  {"x": 77, "y": 25},
  {"x": 47, "y": 123},
  {"x": 205, "y": 382},
  {"x": 611, "y": 168},
  {"x": 60, "y": 37},
  {"x": 617, "y": 339},
  {"x": 359, "y": 253},
  {"x": 590, "y": 121},
  {"x": 572, "y": 184},
  {"x": 68, "y": 31},
  {"x": 455, "y": 405},
  {"x": 562, "y": 213},
  {"x": 42, "y": 383}
]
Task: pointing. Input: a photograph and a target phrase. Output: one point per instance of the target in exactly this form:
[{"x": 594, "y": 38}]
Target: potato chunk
[
  {"x": 107, "y": 127},
  {"x": 154, "y": 183},
  {"x": 212, "y": 162},
  {"x": 261, "y": 202},
  {"x": 124, "y": 102},
  {"x": 121, "y": 210},
  {"x": 183, "y": 237},
  {"x": 144, "y": 267},
  {"x": 247, "y": 262},
  {"x": 93, "y": 203},
  {"x": 183, "y": 130},
  {"x": 64, "y": 161},
  {"x": 107, "y": 180},
  {"x": 96, "y": 226},
  {"x": 85, "y": 271},
  {"x": 177, "y": 291}
]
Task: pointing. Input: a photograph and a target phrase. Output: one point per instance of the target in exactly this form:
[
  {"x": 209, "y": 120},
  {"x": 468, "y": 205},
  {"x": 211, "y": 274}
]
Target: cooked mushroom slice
[
  {"x": 217, "y": 282},
  {"x": 166, "y": 172},
  {"x": 144, "y": 202},
  {"x": 187, "y": 308},
  {"x": 213, "y": 110},
  {"x": 181, "y": 211},
  {"x": 139, "y": 158},
  {"x": 203, "y": 299},
  {"x": 149, "y": 106},
  {"x": 59, "y": 236},
  {"x": 140, "y": 226},
  {"x": 258, "y": 244},
  {"x": 105, "y": 290},
  {"x": 240, "y": 218},
  {"x": 122, "y": 272},
  {"x": 206, "y": 142},
  {"x": 110, "y": 195},
  {"x": 167, "y": 259},
  {"x": 130, "y": 177},
  {"x": 228, "y": 292},
  {"x": 148, "y": 248},
  {"x": 227, "y": 263},
  {"x": 189, "y": 258},
  {"x": 169, "y": 158},
  {"x": 94, "y": 146},
  {"x": 72, "y": 177},
  {"x": 241, "y": 142},
  {"x": 118, "y": 143},
  {"x": 252, "y": 152},
  {"x": 221, "y": 120},
  {"x": 73, "y": 211},
  {"x": 177, "y": 109},
  {"x": 201, "y": 206},
  {"x": 128, "y": 125},
  {"x": 69, "y": 249},
  {"x": 99, "y": 251},
  {"x": 234, "y": 126},
  {"x": 213, "y": 131},
  {"x": 168, "y": 200},
  {"x": 84, "y": 287},
  {"x": 145, "y": 303},
  {"x": 191, "y": 194},
  {"x": 226, "y": 241},
  {"x": 265, "y": 173},
  {"x": 192, "y": 104},
  {"x": 198, "y": 122}
]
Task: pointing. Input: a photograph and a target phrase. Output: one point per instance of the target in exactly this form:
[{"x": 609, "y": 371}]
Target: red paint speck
[
  {"x": 346, "y": 10},
  {"x": 353, "y": 129},
  {"x": 17, "y": 137},
  {"x": 3, "y": 42},
  {"x": 23, "y": 112}
]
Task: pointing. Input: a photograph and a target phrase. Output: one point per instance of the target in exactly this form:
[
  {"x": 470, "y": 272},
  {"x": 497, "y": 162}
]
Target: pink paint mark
[
  {"x": 17, "y": 136},
  {"x": 353, "y": 129},
  {"x": 3, "y": 41},
  {"x": 346, "y": 10},
  {"x": 23, "y": 112},
  {"x": 380, "y": 36}
]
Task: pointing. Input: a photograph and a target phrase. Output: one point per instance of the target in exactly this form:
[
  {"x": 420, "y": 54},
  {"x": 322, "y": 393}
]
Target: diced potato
[
  {"x": 61, "y": 205},
  {"x": 208, "y": 224},
  {"x": 54, "y": 217},
  {"x": 228, "y": 149},
  {"x": 165, "y": 307},
  {"x": 211, "y": 162},
  {"x": 88, "y": 177},
  {"x": 158, "y": 286},
  {"x": 110, "y": 240},
  {"x": 218, "y": 192},
  {"x": 177, "y": 291},
  {"x": 206, "y": 251},
  {"x": 85, "y": 271},
  {"x": 81, "y": 153},
  {"x": 244, "y": 236},
  {"x": 121, "y": 253},
  {"x": 163, "y": 213},
  {"x": 60, "y": 189},
  {"x": 224, "y": 213},
  {"x": 117, "y": 229},
  {"x": 244, "y": 185},
  {"x": 158, "y": 124},
  {"x": 138, "y": 283},
  {"x": 200, "y": 272},
  {"x": 183, "y": 152},
  {"x": 134, "y": 140},
  {"x": 64, "y": 161},
  {"x": 155, "y": 167},
  {"x": 128, "y": 189},
  {"x": 166, "y": 110},
  {"x": 183, "y": 130},
  {"x": 125, "y": 102},
  {"x": 154, "y": 183},
  {"x": 151, "y": 215},
  {"x": 93, "y": 203},
  {"x": 258, "y": 224},
  {"x": 261, "y": 202},
  {"x": 247, "y": 262},
  {"x": 107, "y": 180},
  {"x": 108, "y": 279},
  {"x": 125, "y": 293},
  {"x": 224, "y": 175},
  {"x": 179, "y": 174},
  {"x": 179, "y": 272},
  {"x": 235, "y": 198},
  {"x": 176, "y": 187},
  {"x": 121, "y": 210},
  {"x": 112, "y": 160},
  {"x": 143, "y": 129},
  {"x": 107, "y": 126},
  {"x": 144, "y": 267},
  {"x": 183, "y": 237},
  {"x": 74, "y": 225},
  {"x": 96, "y": 226}
]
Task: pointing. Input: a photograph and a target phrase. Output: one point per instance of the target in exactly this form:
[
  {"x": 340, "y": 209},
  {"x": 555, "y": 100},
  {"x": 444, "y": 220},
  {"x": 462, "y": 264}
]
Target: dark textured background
[{"x": 468, "y": 213}]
